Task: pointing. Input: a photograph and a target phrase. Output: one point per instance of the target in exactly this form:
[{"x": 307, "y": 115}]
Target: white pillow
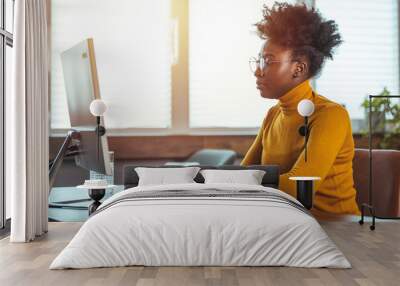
[
  {"x": 248, "y": 177},
  {"x": 164, "y": 176}
]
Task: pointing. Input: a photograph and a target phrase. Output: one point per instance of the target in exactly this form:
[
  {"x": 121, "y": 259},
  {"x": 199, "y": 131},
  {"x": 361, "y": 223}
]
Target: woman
[{"x": 298, "y": 42}]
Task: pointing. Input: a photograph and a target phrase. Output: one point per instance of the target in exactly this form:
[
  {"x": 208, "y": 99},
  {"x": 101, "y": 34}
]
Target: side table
[
  {"x": 305, "y": 190},
  {"x": 96, "y": 194}
]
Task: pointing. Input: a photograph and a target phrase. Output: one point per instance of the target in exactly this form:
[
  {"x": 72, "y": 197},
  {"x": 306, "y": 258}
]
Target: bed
[{"x": 198, "y": 224}]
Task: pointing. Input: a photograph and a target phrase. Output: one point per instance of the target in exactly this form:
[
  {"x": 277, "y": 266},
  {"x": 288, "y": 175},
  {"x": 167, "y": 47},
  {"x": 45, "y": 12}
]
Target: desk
[{"x": 59, "y": 194}]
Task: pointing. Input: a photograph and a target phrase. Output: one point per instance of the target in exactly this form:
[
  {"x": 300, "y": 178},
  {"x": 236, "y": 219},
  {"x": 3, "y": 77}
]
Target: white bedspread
[{"x": 200, "y": 231}]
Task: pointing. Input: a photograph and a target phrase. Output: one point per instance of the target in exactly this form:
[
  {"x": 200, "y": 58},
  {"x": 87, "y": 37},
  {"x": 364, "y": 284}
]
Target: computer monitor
[{"x": 82, "y": 86}]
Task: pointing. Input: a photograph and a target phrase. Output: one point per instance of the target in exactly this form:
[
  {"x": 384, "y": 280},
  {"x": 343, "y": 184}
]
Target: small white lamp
[
  {"x": 98, "y": 108},
  {"x": 305, "y": 108}
]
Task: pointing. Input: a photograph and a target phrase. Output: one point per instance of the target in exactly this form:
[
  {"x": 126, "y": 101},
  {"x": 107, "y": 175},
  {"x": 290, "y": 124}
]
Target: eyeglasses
[{"x": 261, "y": 63}]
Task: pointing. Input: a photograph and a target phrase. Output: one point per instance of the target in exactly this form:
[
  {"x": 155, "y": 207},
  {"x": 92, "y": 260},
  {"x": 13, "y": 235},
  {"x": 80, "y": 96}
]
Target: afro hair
[{"x": 302, "y": 30}]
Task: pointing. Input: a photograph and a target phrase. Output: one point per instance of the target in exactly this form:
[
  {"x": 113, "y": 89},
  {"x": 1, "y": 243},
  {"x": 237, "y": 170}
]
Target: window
[
  {"x": 222, "y": 92},
  {"x": 133, "y": 55},
  {"x": 6, "y": 43},
  {"x": 368, "y": 59},
  {"x": 214, "y": 90},
  {"x": 135, "y": 73}
]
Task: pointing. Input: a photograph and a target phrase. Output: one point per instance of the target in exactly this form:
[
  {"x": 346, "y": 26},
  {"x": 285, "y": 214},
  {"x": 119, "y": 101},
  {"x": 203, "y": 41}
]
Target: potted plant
[
  {"x": 379, "y": 108},
  {"x": 385, "y": 119}
]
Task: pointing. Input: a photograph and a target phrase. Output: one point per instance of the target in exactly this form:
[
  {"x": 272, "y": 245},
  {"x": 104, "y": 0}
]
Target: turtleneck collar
[{"x": 288, "y": 102}]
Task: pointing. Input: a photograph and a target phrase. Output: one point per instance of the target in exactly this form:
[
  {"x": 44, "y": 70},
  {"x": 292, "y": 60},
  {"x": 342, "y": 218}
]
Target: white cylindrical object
[
  {"x": 98, "y": 107},
  {"x": 305, "y": 107}
]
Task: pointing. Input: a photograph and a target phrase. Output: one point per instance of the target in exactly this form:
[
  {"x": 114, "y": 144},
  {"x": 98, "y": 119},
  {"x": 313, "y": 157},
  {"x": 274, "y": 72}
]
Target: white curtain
[{"x": 27, "y": 122}]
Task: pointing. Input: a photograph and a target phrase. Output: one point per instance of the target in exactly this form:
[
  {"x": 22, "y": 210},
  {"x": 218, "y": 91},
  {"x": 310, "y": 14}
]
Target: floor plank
[{"x": 375, "y": 257}]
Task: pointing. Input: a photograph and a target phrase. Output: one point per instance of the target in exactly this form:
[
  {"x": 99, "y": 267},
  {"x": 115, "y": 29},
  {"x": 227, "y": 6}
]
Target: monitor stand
[{"x": 68, "y": 149}]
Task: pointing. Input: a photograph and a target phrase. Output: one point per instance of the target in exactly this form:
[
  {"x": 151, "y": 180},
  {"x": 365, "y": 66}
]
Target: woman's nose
[{"x": 258, "y": 72}]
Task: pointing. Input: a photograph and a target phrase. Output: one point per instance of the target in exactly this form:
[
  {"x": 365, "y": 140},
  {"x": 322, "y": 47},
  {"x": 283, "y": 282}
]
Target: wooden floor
[{"x": 375, "y": 257}]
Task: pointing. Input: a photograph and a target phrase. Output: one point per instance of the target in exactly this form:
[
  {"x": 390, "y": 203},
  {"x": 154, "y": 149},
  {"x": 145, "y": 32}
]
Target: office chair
[{"x": 209, "y": 157}]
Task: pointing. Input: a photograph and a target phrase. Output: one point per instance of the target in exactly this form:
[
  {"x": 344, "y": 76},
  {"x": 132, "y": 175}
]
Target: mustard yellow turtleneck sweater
[{"x": 330, "y": 149}]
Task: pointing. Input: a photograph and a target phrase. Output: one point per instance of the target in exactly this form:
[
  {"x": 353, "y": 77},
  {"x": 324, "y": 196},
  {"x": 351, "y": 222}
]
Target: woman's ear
[{"x": 301, "y": 69}]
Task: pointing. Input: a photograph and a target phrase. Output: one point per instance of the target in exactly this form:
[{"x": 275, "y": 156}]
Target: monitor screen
[{"x": 82, "y": 86}]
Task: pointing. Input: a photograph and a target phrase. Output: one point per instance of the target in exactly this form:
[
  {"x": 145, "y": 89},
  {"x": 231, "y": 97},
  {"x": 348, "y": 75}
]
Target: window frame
[{"x": 6, "y": 39}]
